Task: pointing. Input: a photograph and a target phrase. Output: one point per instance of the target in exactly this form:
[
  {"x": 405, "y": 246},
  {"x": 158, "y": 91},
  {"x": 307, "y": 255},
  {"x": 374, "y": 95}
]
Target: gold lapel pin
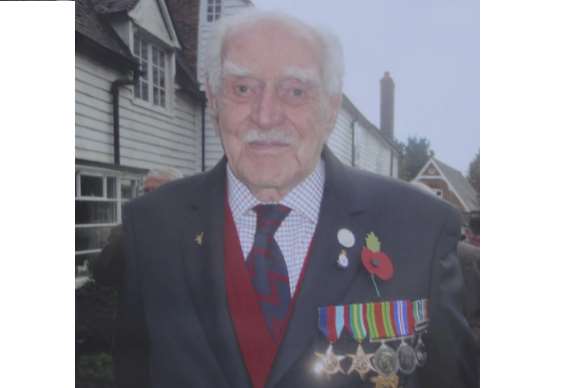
[{"x": 199, "y": 238}]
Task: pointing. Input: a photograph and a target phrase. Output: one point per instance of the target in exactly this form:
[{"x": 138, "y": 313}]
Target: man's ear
[
  {"x": 335, "y": 103},
  {"x": 210, "y": 96}
]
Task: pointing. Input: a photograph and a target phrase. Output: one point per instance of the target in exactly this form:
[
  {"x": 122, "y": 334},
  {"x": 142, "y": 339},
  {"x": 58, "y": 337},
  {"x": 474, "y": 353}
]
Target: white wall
[
  {"x": 340, "y": 140},
  {"x": 148, "y": 139},
  {"x": 372, "y": 154}
]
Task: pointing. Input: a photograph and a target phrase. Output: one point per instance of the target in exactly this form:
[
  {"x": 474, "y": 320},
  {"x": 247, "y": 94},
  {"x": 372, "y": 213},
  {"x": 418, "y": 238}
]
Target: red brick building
[{"x": 449, "y": 184}]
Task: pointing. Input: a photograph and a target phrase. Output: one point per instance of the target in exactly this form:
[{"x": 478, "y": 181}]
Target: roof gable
[
  {"x": 430, "y": 169},
  {"x": 93, "y": 28},
  {"x": 153, "y": 16},
  {"x": 455, "y": 180}
]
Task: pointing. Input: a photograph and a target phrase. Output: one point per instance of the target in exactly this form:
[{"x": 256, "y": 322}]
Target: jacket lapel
[
  {"x": 338, "y": 210},
  {"x": 204, "y": 264}
]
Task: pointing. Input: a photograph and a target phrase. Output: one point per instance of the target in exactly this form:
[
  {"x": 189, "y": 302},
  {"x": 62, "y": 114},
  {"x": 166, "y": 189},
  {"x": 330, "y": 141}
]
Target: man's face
[{"x": 273, "y": 115}]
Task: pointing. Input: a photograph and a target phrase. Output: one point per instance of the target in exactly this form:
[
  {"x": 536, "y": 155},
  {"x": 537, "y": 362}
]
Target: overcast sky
[{"x": 430, "y": 48}]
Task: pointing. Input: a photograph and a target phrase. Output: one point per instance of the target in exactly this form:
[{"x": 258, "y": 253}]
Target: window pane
[
  {"x": 145, "y": 94},
  {"x": 155, "y": 78},
  {"x": 162, "y": 98},
  {"x": 128, "y": 188},
  {"x": 154, "y": 55},
  {"x": 156, "y": 94},
  {"x": 91, "y": 186},
  {"x": 162, "y": 81},
  {"x": 94, "y": 212},
  {"x": 161, "y": 63},
  {"x": 111, "y": 187},
  {"x": 91, "y": 238}
]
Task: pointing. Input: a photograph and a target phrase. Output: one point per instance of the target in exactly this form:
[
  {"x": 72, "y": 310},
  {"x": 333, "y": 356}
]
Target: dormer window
[
  {"x": 151, "y": 86},
  {"x": 213, "y": 10}
]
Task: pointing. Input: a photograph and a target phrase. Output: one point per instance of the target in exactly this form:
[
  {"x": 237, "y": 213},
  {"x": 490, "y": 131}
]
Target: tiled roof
[
  {"x": 350, "y": 107},
  {"x": 89, "y": 24},
  {"x": 114, "y": 6},
  {"x": 460, "y": 184}
]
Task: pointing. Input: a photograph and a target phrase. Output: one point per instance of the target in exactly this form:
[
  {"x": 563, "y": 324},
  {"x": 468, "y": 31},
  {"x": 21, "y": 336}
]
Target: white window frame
[
  {"x": 214, "y": 10},
  {"x": 167, "y": 70},
  {"x": 80, "y": 271}
]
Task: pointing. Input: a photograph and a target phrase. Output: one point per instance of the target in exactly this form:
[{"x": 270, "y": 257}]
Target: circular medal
[
  {"x": 385, "y": 360},
  {"x": 407, "y": 357},
  {"x": 346, "y": 238},
  {"x": 420, "y": 353}
]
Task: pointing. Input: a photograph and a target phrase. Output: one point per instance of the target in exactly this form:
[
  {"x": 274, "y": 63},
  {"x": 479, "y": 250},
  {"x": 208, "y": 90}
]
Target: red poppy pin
[{"x": 376, "y": 262}]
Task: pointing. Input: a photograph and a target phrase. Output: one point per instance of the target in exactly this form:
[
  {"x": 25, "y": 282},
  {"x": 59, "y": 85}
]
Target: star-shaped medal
[
  {"x": 383, "y": 381},
  {"x": 360, "y": 362},
  {"x": 329, "y": 363}
]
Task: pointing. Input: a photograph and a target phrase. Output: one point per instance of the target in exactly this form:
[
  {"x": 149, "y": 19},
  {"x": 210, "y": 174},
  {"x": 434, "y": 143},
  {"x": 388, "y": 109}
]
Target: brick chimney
[{"x": 387, "y": 105}]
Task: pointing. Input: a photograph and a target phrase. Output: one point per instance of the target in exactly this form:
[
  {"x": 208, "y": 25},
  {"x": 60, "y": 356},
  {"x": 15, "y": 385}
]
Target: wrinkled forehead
[
  {"x": 308, "y": 75},
  {"x": 293, "y": 49}
]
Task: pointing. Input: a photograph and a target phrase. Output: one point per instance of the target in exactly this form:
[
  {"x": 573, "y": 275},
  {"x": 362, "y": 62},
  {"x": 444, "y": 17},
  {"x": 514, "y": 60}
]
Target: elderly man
[{"x": 281, "y": 267}]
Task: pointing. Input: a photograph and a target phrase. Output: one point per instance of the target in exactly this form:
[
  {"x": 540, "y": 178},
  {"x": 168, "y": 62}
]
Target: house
[
  {"x": 449, "y": 184},
  {"x": 127, "y": 122},
  {"x": 140, "y": 105}
]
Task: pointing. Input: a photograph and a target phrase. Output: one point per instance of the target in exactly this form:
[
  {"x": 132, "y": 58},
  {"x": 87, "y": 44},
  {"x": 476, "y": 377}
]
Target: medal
[
  {"x": 420, "y": 352},
  {"x": 328, "y": 363},
  {"x": 355, "y": 322},
  {"x": 384, "y": 360},
  {"x": 342, "y": 259},
  {"x": 381, "y": 381},
  {"x": 360, "y": 362},
  {"x": 407, "y": 358},
  {"x": 330, "y": 323}
]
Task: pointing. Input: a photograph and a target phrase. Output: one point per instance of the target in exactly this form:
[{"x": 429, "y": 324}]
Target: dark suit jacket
[{"x": 174, "y": 325}]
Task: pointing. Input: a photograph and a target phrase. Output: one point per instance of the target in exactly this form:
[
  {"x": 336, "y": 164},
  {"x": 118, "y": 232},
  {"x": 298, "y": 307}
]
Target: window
[
  {"x": 153, "y": 60},
  {"x": 213, "y": 11},
  {"x": 99, "y": 197},
  {"x": 438, "y": 192}
]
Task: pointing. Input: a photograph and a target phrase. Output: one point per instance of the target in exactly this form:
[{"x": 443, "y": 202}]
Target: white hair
[{"x": 332, "y": 60}]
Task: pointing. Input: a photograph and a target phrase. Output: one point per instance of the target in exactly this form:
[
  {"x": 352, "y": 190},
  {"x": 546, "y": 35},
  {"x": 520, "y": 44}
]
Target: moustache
[{"x": 275, "y": 135}]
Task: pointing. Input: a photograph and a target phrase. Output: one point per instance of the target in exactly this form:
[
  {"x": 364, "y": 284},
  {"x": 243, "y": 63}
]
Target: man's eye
[
  {"x": 297, "y": 92},
  {"x": 242, "y": 89}
]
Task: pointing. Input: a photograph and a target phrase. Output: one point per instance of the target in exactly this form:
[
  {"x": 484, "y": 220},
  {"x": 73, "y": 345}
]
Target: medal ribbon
[
  {"x": 356, "y": 320},
  {"x": 331, "y": 321},
  {"x": 420, "y": 310},
  {"x": 403, "y": 314},
  {"x": 380, "y": 320}
]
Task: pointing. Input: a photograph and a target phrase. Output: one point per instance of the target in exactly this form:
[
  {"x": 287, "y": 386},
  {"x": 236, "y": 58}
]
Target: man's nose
[{"x": 268, "y": 110}]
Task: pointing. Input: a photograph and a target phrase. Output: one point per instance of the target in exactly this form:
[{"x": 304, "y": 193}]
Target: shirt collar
[{"x": 304, "y": 198}]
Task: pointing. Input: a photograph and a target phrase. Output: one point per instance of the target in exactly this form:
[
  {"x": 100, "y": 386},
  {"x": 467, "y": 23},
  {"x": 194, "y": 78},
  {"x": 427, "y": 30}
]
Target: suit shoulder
[
  {"x": 392, "y": 194},
  {"x": 172, "y": 192}
]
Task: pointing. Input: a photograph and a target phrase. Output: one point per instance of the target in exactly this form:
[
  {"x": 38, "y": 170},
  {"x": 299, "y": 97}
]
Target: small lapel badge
[
  {"x": 199, "y": 238},
  {"x": 346, "y": 238},
  {"x": 342, "y": 259}
]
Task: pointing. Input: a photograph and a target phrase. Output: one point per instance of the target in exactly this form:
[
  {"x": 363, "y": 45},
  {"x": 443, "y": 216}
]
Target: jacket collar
[{"x": 204, "y": 265}]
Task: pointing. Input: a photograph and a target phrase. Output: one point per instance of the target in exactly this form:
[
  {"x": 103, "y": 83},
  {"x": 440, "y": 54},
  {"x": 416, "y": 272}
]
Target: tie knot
[{"x": 269, "y": 217}]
